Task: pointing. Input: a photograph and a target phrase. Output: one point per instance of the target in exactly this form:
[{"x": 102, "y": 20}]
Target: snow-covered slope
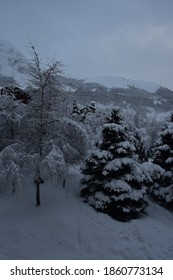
[
  {"x": 110, "y": 81},
  {"x": 66, "y": 228},
  {"x": 12, "y": 62}
]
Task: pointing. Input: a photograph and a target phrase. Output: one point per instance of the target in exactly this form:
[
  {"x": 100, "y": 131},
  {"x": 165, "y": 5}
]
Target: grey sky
[{"x": 127, "y": 38}]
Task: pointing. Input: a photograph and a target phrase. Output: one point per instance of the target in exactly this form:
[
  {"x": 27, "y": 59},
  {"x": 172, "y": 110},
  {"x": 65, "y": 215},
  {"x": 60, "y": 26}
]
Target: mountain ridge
[
  {"x": 13, "y": 62},
  {"x": 120, "y": 82},
  {"x": 106, "y": 90}
]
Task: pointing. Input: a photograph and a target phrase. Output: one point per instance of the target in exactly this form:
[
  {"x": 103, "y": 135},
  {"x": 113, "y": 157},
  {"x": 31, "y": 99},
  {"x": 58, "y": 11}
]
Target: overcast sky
[{"x": 126, "y": 38}]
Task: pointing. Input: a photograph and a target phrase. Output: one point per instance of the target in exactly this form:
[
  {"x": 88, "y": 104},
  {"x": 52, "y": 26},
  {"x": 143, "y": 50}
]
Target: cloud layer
[{"x": 129, "y": 38}]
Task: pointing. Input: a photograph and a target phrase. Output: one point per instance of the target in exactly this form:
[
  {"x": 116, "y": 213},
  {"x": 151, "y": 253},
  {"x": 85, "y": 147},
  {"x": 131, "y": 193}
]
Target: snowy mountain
[
  {"x": 110, "y": 82},
  {"x": 12, "y": 63},
  {"x": 104, "y": 89}
]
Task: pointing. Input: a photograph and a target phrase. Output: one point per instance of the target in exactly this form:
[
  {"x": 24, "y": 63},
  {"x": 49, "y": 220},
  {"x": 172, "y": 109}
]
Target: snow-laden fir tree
[
  {"x": 163, "y": 157},
  {"x": 142, "y": 144},
  {"x": 113, "y": 181}
]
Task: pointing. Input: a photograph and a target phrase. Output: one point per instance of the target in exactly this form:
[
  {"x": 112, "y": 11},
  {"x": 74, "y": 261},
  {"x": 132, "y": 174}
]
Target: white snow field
[{"x": 66, "y": 228}]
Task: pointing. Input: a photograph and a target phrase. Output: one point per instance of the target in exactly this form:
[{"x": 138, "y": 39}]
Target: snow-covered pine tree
[
  {"x": 75, "y": 110},
  {"x": 142, "y": 144},
  {"x": 163, "y": 157},
  {"x": 113, "y": 182}
]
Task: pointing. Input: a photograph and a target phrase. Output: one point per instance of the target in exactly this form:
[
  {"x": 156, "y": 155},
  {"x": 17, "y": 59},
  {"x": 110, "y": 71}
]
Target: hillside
[{"x": 118, "y": 82}]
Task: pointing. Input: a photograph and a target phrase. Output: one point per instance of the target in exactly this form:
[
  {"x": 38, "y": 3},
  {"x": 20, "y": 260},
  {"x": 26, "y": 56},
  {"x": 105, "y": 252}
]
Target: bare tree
[{"x": 44, "y": 79}]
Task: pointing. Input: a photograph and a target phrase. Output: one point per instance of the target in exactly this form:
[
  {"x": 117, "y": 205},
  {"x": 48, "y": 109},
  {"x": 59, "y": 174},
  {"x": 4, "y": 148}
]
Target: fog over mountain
[
  {"x": 12, "y": 62},
  {"x": 102, "y": 89}
]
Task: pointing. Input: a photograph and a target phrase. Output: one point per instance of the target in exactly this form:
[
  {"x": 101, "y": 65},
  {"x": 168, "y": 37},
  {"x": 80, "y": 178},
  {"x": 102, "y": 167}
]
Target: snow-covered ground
[{"x": 66, "y": 228}]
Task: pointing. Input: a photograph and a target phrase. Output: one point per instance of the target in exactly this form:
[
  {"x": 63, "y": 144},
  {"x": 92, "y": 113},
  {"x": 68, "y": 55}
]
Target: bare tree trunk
[
  {"x": 38, "y": 203},
  {"x": 64, "y": 183},
  {"x": 13, "y": 189},
  {"x": 38, "y": 181}
]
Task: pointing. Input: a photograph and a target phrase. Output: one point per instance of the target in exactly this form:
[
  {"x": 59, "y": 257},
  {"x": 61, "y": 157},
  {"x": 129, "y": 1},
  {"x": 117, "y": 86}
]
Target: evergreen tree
[
  {"x": 163, "y": 157},
  {"x": 113, "y": 181},
  {"x": 142, "y": 144}
]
